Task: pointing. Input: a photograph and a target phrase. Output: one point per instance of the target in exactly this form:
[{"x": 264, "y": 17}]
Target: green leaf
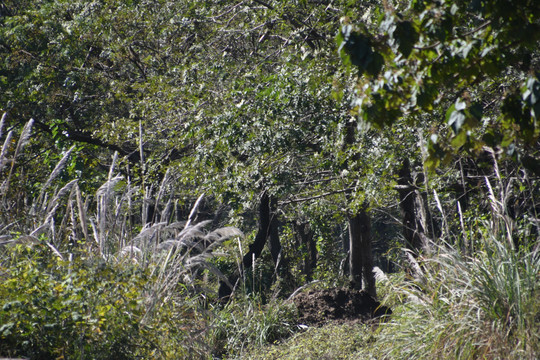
[
  {"x": 406, "y": 37},
  {"x": 459, "y": 140},
  {"x": 360, "y": 52}
]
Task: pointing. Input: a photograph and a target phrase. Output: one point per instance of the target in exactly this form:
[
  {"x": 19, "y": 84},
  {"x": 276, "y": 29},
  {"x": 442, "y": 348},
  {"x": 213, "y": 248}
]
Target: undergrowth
[
  {"x": 481, "y": 307},
  {"x": 86, "y": 276}
]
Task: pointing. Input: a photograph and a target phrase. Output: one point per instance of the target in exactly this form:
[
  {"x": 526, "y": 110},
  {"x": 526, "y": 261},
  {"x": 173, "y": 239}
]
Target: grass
[
  {"x": 246, "y": 323},
  {"x": 468, "y": 308},
  {"x": 339, "y": 342},
  {"x": 458, "y": 307}
]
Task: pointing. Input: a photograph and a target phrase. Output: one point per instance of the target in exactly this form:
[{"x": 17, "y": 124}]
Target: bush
[{"x": 85, "y": 308}]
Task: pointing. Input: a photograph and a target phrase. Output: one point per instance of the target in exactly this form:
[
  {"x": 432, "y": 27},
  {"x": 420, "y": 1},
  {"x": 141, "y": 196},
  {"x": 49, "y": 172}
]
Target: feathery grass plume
[
  {"x": 23, "y": 140},
  {"x": 82, "y": 212},
  {"x": 194, "y": 231},
  {"x": 53, "y": 203},
  {"x": 160, "y": 194},
  {"x": 181, "y": 259},
  {"x": 446, "y": 228},
  {"x": 54, "y": 174},
  {"x": 113, "y": 164},
  {"x": 68, "y": 227},
  {"x": 58, "y": 168},
  {"x": 2, "y": 123},
  {"x": 500, "y": 217},
  {"x": 103, "y": 196},
  {"x": 132, "y": 253},
  {"x": 148, "y": 232},
  {"x": 193, "y": 211},
  {"x": 5, "y": 147}
]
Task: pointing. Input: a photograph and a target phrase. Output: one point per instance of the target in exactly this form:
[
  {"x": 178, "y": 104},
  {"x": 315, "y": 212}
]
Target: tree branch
[{"x": 314, "y": 197}]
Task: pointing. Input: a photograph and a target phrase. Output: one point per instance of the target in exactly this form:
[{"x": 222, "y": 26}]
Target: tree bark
[
  {"x": 360, "y": 252},
  {"x": 257, "y": 246},
  {"x": 304, "y": 236},
  {"x": 413, "y": 231},
  {"x": 274, "y": 245}
]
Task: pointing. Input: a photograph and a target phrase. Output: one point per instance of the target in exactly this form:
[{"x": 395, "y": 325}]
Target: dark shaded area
[
  {"x": 317, "y": 307},
  {"x": 268, "y": 228}
]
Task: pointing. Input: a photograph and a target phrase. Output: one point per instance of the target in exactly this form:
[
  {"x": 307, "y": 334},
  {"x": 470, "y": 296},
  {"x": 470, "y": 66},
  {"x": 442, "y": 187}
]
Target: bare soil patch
[{"x": 317, "y": 307}]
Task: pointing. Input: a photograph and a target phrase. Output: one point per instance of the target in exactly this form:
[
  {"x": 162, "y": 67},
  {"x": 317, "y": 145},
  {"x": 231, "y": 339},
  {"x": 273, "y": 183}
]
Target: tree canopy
[{"x": 464, "y": 72}]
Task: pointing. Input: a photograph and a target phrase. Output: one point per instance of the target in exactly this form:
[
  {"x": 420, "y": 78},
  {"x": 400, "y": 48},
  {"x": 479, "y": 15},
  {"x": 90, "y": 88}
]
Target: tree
[
  {"x": 448, "y": 58},
  {"x": 235, "y": 98},
  {"x": 464, "y": 77}
]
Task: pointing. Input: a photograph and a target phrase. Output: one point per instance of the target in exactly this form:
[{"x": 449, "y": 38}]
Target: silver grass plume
[
  {"x": 2, "y": 122},
  {"x": 25, "y": 136},
  {"x": 107, "y": 188},
  {"x": 58, "y": 168},
  {"x": 54, "y": 203},
  {"x": 54, "y": 174},
  {"x": 82, "y": 212},
  {"x": 3, "y": 155},
  {"x": 23, "y": 140},
  {"x": 194, "y": 211}
]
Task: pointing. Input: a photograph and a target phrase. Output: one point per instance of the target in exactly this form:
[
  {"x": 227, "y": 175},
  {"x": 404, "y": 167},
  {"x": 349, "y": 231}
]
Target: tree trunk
[
  {"x": 257, "y": 246},
  {"x": 413, "y": 231},
  {"x": 274, "y": 245},
  {"x": 304, "y": 236},
  {"x": 360, "y": 253}
]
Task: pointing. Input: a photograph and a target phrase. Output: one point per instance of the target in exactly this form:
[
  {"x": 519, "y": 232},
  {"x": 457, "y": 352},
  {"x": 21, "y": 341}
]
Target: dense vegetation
[{"x": 172, "y": 171}]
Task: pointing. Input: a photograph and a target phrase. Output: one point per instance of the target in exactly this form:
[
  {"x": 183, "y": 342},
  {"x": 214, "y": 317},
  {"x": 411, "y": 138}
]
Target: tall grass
[
  {"x": 460, "y": 307},
  {"x": 246, "y": 324},
  {"x": 103, "y": 224},
  {"x": 468, "y": 304},
  {"x": 108, "y": 227}
]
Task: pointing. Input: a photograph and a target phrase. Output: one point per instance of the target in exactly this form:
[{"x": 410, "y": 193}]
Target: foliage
[
  {"x": 449, "y": 58},
  {"x": 329, "y": 342},
  {"x": 138, "y": 107},
  {"x": 460, "y": 307},
  {"x": 482, "y": 307},
  {"x": 95, "y": 276},
  {"x": 54, "y": 308}
]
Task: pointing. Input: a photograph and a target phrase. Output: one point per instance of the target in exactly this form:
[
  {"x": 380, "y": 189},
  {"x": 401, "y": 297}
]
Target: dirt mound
[{"x": 317, "y": 307}]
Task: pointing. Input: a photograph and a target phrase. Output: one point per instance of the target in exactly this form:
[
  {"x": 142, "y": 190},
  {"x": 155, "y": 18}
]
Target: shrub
[{"x": 84, "y": 308}]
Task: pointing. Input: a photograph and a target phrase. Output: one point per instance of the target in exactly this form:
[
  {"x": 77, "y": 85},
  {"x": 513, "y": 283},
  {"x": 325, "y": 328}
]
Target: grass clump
[
  {"x": 247, "y": 323},
  {"x": 460, "y": 307},
  {"x": 334, "y": 341}
]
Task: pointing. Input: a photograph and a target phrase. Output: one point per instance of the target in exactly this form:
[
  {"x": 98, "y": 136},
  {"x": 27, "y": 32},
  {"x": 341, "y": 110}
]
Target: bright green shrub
[{"x": 54, "y": 308}]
